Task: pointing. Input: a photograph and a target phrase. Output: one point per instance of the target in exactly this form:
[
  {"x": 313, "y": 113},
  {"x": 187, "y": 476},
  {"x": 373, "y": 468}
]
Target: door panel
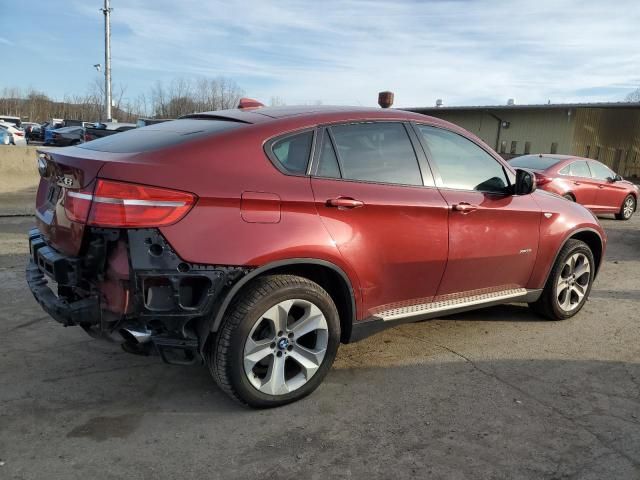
[
  {"x": 609, "y": 195},
  {"x": 493, "y": 235},
  {"x": 578, "y": 180},
  {"x": 493, "y": 245},
  {"x": 396, "y": 240}
]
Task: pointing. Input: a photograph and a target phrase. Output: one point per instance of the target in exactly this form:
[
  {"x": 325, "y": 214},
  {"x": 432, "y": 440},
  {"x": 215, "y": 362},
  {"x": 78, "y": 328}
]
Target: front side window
[
  {"x": 579, "y": 169},
  {"x": 462, "y": 164},
  {"x": 293, "y": 152},
  {"x": 600, "y": 171},
  {"x": 376, "y": 152}
]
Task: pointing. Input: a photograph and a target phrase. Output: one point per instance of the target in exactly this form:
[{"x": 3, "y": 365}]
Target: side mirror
[
  {"x": 525, "y": 182},
  {"x": 617, "y": 178}
]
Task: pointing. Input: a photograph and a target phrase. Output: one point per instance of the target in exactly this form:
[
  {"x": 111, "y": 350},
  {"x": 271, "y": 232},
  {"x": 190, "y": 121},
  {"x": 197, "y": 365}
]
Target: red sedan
[
  {"x": 582, "y": 180},
  {"x": 258, "y": 240}
]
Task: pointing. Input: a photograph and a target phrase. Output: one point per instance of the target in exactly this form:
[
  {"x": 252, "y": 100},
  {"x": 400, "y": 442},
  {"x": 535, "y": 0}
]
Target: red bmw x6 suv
[
  {"x": 258, "y": 240},
  {"x": 588, "y": 182}
]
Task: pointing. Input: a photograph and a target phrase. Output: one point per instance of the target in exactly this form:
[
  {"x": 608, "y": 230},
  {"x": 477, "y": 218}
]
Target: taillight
[
  {"x": 541, "y": 179},
  {"x": 120, "y": 204},
  {"x": 88, "y": 137},
  {"x": 77, "y": 204},
  {"x": 19, "y": 134}
]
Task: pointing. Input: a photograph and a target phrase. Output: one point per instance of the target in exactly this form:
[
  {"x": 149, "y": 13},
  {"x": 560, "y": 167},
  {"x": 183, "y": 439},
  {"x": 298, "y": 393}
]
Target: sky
[{"x": 333, "y": 51}]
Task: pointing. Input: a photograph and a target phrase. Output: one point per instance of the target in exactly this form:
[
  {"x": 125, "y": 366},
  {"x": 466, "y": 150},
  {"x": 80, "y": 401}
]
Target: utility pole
[{"x": 107, "y": 59}]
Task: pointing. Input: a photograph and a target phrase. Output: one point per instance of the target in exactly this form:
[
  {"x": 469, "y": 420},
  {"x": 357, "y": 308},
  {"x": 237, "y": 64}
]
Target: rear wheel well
[
  {"x": 569, "y": 194},
  {"x": 330, "y": 280},
  {"x": 592, "y": 239}
]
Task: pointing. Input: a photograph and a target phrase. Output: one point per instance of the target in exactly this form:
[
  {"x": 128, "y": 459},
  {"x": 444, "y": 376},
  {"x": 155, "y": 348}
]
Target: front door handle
[
  {"x": 344, "y": 202},
  {"x": 600, "y": 186},
  {"x": 464, "y": 207},
  {"x": 576, "y": 183}
]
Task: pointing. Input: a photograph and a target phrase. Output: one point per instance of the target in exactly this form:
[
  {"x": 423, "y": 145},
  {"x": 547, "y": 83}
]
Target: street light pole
[{"x": 107, "y": 59}]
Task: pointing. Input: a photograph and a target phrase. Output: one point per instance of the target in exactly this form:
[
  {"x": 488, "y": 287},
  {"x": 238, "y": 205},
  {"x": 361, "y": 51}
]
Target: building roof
[{"x": 541, "y": 106}]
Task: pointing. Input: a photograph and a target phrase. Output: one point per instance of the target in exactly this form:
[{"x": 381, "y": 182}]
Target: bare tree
[
  {"x": 277, "y": 102},
  {"x": 182, "y": 96},
  {"x": 633, "y": 96}
]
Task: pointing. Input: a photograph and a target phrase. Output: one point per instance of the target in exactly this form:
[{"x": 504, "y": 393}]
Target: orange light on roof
[{"x": 249, "y": 103}]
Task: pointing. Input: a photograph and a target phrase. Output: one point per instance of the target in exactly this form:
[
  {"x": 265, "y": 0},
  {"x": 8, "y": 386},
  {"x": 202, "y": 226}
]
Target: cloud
[{"x": 345, "y": 52}]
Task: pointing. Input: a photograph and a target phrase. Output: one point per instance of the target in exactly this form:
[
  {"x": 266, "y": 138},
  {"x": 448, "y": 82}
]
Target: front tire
[
  {"x": 627, "y": 208},
  {"x": 277, "y": 341},
  {"x": 569, "y": 283}
]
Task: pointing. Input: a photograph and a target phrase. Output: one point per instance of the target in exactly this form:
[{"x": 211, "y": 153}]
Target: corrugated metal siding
[
  {"x": 541, "y": 128},
  {"x": 616, "y": 133}
]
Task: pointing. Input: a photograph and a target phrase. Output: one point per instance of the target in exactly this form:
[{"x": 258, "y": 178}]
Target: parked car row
[{"x": 62, "y": 132}]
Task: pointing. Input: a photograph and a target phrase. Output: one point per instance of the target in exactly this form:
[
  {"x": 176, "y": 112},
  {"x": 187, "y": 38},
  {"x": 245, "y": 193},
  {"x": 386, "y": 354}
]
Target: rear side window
[
  {"x": 580, "y": 169},
  {"x": 160, "y": 135},
  {"x": 293, "y": 152},
  {"x": 376, "y": 152},
  {"x": 462, "y": 164}
]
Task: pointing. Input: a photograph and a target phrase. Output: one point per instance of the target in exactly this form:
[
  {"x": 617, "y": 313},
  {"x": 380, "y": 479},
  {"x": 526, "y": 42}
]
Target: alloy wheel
[
  {"x": 628, "y": 207},
  {"x": 286, "y": 347},
  {"x": 573, "y": 282}
]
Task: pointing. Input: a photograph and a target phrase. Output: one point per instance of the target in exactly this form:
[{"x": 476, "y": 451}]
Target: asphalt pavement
[{"x": 492, "y": 394}]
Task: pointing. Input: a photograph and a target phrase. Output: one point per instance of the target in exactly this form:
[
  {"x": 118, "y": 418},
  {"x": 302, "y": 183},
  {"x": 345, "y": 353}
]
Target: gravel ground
[{"x": 496, "y": 393}]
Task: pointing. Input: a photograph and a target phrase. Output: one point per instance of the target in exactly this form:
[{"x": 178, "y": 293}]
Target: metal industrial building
[{"x": 609, "y": 132}]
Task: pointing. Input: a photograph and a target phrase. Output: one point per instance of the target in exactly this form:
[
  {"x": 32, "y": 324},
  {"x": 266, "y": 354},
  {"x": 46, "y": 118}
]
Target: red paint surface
[{"x": 404, "y": 244}]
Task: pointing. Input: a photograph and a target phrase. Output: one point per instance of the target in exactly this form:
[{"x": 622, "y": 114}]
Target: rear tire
[
  {"x": 277, "y": 341},
  {"x": 569, "y": 197},
  {"x": 627, "y": 208},
  {"x": 569, "y": 282}
]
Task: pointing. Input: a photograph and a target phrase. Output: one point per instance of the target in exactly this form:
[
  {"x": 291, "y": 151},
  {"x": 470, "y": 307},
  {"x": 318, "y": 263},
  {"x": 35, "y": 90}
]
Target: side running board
[{"x": 453, "y": 303}]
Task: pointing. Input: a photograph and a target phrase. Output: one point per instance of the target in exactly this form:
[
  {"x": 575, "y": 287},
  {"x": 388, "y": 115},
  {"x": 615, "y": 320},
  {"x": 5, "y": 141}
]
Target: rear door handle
[
  {"x": 600, "y": 186},
  {"x": 464, "y": 207},
  {"x": 344, "y": 202},
  {"x": 576, "y": 183}
]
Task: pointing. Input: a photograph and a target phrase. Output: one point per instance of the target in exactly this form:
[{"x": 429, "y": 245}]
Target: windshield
[{"x": 534, "y": 162}]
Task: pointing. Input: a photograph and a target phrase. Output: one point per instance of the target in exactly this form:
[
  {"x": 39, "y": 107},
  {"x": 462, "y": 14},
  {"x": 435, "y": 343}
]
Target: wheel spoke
[
  {"x": 564, "y": 298},
  {"x": 579, "y": 291},
  {"x": 254, "y": 351},
  {"x": 309, "y": 359},
  {"x": 313, "y": 319},
  {"x": 275, "y": 383},
  {"x": 562, "y": 287},
  {"x": 582, "y": 269},
  {"x": 278, "y": 314},
  {"x": 572, "y": 265}
]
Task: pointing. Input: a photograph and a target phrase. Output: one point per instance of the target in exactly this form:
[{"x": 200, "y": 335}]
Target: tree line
[{"x": 178, "y": 97}]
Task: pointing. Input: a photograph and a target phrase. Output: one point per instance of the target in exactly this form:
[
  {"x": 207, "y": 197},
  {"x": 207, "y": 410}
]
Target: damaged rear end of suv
[{"x": 99, "y": 259}]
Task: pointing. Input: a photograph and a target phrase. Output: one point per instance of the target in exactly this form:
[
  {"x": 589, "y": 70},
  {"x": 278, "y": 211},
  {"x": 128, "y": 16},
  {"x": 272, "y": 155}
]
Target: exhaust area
[{"x": 135, "y": 336}]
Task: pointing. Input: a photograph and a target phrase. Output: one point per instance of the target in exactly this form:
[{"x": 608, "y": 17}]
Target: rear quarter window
[
  {"x": 292, "y": 152},
  {"x": 160, "y": 135}
]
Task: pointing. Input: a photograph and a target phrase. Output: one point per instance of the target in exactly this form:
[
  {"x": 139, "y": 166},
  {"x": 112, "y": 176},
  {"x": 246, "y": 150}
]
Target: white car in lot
[
  {"x": 17, "y": 136},
  {"x": 5, "y": 137}
]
